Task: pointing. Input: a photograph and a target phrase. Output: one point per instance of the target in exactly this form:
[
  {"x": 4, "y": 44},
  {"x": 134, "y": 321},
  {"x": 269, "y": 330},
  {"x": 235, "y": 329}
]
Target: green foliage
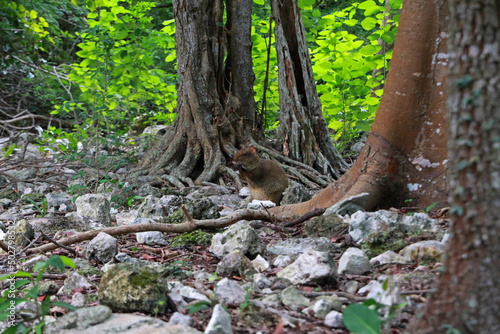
[
  {"x": 261, "y": 41},
  {"x": 18, "y": 286},
  {"x": 195, "y": 238},
  {"x": 121, "y": 75},
  {"x": 351, "y": 68},
  {"x": 9, "y": 150},
  {"x": 360, "y": 319}
]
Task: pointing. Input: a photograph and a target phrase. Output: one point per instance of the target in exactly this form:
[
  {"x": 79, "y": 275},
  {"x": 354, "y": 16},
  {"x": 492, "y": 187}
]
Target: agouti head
[{"x": 246, "y": 158}]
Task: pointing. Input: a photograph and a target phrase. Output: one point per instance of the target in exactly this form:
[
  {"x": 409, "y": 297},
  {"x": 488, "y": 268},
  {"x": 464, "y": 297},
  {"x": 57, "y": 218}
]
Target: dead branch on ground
[{"x": 188, "y": 226}]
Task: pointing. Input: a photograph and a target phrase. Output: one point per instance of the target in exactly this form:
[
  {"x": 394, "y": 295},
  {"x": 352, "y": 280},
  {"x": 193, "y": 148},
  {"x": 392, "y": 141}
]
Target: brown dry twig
[{"x": 188, "y": 226}]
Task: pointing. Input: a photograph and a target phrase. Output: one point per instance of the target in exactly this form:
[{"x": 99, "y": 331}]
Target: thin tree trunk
[
  {"x": 303, "y": 130},
  {"x": 405, "y": 155},
  {"x": 468, "y": 298}
]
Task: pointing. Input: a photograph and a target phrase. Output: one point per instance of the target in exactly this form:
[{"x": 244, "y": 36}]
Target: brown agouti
[{"x": 266, "y": 178}]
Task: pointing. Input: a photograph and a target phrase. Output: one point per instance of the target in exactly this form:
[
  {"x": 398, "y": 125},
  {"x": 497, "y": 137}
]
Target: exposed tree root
[{"x": 188, "y": 226}]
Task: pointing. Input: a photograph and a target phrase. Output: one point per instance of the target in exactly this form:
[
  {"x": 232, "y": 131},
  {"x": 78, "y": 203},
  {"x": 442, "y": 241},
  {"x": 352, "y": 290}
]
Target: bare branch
[{"x": 188, "y": 226}]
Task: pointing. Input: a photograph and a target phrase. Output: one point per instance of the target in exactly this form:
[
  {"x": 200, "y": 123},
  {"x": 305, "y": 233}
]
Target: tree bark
[
  {"x": 467, "y": 298},
  {"x": 303, "y": 130},
  {"x": 405, "y": 156},
  {"x": 212, "y": 120}
]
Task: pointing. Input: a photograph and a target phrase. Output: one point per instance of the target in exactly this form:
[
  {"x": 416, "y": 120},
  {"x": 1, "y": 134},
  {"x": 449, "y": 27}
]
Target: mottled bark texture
[
  {"x": 468, "y": 297},
  {"x": 215, "y": 106},
  {"x": 405, "y": 156},
  {"x": 303, "y": 130}
]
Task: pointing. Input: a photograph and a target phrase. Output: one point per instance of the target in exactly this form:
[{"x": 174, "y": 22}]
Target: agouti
[{"x": 266, "y": 178}]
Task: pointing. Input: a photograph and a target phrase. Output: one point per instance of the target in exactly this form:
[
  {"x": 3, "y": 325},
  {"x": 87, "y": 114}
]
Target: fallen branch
[
  {"x": 303, "y": 218},
  {"x": 188, "y": 226}
]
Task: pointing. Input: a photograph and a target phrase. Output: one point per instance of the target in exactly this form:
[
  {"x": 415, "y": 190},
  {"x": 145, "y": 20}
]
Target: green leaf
[
  {"x": 350, "y": 23},
  {"x": 64, "y": 305},
  {"x": 430, "y": 207},
  {"x": 369, "y": 23},
  {"x": 18, "y": 274},
  {"x": 367, "y": 4},
  {"x": 360, "y": 319},
  {"x": 306, "y": 4},
  {"x": 259, "y": 2}
]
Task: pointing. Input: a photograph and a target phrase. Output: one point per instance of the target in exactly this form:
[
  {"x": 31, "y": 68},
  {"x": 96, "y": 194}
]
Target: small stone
[
  {"x": 220, "y": 322},
  {"x": 292, "y": 298},
  {"x": 334, "y": 319},
  {"x": 179, "y": 318},
  {"x": 78, "y": 300},
  {"x": 260, "y": 264},
  {"x": 354, "y": 262},
  {"x": 229, "y": 292},
  {"x": 102, "y": 248},
  {"x": 312, "y": 267}
]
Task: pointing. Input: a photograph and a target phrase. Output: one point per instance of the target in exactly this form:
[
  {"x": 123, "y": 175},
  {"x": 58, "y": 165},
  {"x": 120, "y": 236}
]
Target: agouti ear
[{"x": 252, "y": 149}]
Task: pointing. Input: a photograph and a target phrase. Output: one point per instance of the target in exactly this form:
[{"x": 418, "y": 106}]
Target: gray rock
[
  {"x": 126, "y": 217},
  {"x": 327, "y": 226},
  {"x": 295, "y": 193},
  {"x": 145, "y": 189},
  {"x": 292, "y": 298},
  {"x": 78, "y": 300},
  {"x": 362, "y": 224},
  {"x": 272, "y": 300},
  {"x": 48, "y": 288},
  {"x": 153, "y": 207},
  {"x": 187, "y": 293},
  {"x": 260, "y": 264},
  {"x": 179, "y": 318},
  {"x": 354, "y": 262},
  {"x": 357, "y": 147},
  {"x": 30, "y": 262},
  {"x": 84, "y": 267},
  {"x": 151, "y": 238},
  {"x": 389, "y": 296},
  {"x": 235, "y": 261},
  {"x": 241, "y": 237},
  {"x": 131, "y": 288},
  {"x": 22, "y": 174},
  {"x": 81, "y": 318},
  {"x": 298, "y": 246},
  {"x": 73, "y": 282},
  {"x": 349, "y": 205},
  {"x": 388, "y": 257},
  {"x": 228, "y": 292},
  {"x": 102, "y": 248},
  {"x": 125, "y": 323},
  {"x": 94, "y": 206},
  {"x": 282, "y": 261},
  {"x": 244, "y": 192},
  {"x": 220, "y": 322},
  {"x": 57, "y": 202},
  {"x": 260, "y": 281},
  {"x": 351, "y": 286},
  {"x": 259, "y": 205},
  {"x": 20, "y": 234},
  {"x": 334, "y": 319},
  {"x": 424, "y": 251},
  {"x": 312, "y": 267},
  {"x": 321, "y": 308}
]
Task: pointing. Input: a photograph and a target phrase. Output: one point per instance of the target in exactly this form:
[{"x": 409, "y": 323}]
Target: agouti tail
[{"x": 266, "y": 178}]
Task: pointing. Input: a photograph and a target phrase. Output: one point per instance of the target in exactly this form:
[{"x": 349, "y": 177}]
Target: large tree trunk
[
  {"x": 405, "y": 155},
  {"x": 303, "y": 130},
  {"x": 467, "y": 298},
  {"x": 215, "y": 106}
]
